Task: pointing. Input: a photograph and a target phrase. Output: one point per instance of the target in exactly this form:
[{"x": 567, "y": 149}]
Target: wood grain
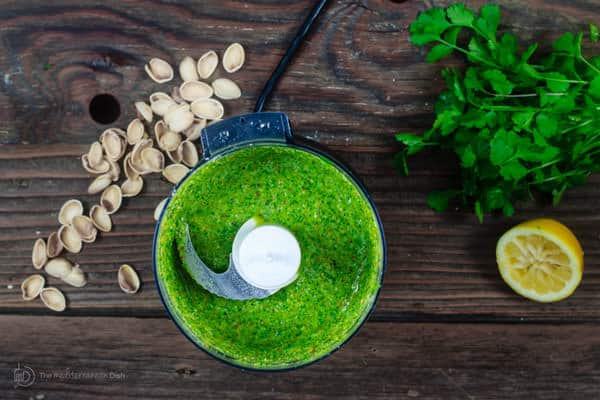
[
  {"x": 384, "y": 361},
  {"x": 356, "y": 82}
]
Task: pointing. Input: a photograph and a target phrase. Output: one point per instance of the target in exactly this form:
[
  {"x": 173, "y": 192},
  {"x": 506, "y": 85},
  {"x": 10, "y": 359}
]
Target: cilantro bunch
[{"x": 520, "y": 125}]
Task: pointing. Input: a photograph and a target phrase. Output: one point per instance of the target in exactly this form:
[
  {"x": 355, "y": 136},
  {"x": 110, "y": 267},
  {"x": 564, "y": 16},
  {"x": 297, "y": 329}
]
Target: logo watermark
[{"x": 25, "y": 376}]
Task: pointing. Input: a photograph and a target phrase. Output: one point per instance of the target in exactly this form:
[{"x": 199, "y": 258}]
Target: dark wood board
[
  {"x": 355, "y": 83},
  {"x": 149, "y": 359}
]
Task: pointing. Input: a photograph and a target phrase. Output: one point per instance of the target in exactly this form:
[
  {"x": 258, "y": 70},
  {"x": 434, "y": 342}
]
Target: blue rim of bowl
[{"x": 304, "y": 147}]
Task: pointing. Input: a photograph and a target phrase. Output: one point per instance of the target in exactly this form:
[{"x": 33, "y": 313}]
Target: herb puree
[{"x": 339, "y": 238}]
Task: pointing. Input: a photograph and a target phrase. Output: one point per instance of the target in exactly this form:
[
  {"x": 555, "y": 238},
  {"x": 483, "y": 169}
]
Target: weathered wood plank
[
  {"x": 384, "y": 361},
  {"x": 356, "y": 82}
]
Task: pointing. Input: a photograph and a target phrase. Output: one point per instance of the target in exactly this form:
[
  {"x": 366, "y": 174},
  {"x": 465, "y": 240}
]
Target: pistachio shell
[
  {"x": 159, "y": 208},
  {"x": 175, "y": 95},
  {"x": 136, "y": 161},
  {"x": 159, "y": 70},
  {"x": 183, "y": 122},
  {"x": 59, "y": 267},
  {"x": 160, "y": 103},
  {"x": 189, "y": 153},
  {"x": 101, "y": 218},
  {"x": 234, "y": 58},
  {"x": 95, "y": 155},
  {"x": 53, "y": 247},
  {"x": 214, "y": 121},
  {"x": 187, "y": 69},
  {"x": 159, "y": 129},
  {"x": 133, "y": 187},
  {"x": 207, "y": 109},
  {"x": 207, "y": 64},
  {"x": 130, "y": 172},
  {"x": 144, "y": 111},
  {"x": 170, "y": 141},
  {"x": 69, "y": 238},
  {"x": 85, "y": 228},
  {"x": 76, "y": 277},
  {"x": 114, "y": 171},
  {"x": 193, "y": 132},
  {"x": 135, "y": 131},
  {"x": 153, "y": 159},
  {"x": 32, "y": 286},
  {"x": 193, "y": 90},
  {"x": 69, "y": 209},
  {"x": 226, "y": 89},
  {"x": 178, "y": 118},
  {"x": 53, "y": 298},
  {"x": 99, "y": 184},
  {"x": 111, "y": 199},
  {"x": 175, "y": 172},
  {"x": 128, "y": 279},
  {"x": 39, "y": 255},
  {"x": 174, "y": 155},
  {"x": 114, "y": 144},
  {"x": 101, "y": 168}
]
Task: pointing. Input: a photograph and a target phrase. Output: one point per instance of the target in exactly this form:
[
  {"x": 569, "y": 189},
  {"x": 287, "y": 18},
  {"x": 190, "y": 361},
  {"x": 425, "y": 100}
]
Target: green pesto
[{"x": 341, "y": 256}]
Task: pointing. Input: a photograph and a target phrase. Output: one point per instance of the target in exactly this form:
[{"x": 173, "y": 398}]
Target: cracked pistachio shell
[
  {"x": 111, "y": 199},
  {"x": 189, "y": 153},
  {"x": 174, "y": 155},
  {"x": 160, "y": 103},
  {"x": 114, "y": 144},
  {"x": 101, "y": 168},
  {"x": 175, "y": 172},
  {"x": 76, "y": 277},
  {"x": 101, "y": 218},
  {"x": 114, "y": 171},
  {"x": 153, "y": 159},
  {"x": 53, "y": 298},
  {"x": 69, "y": 209},
  {"x": 85, "y": 228},
  {"x": 135, "y": 131},
  {"x": 39, "y": 255},
  {"x": 100, "y": 183},
  {"x": 194, "y": 131},
  {"x": 69, "y": 238},
  {"x": 187, "y": 69},
  {"x": 128, "y": 279},
  {"x": 95, "y": 155},
  {"x": 194, "y": 90},
  {"x": 136, "y": 161},
  {"x": 226, "y": 89},
  {"x": 175, "y": 95},
  {"x": 132, "y": 187},
  {"x": 178, "y": 118},
  {"x": 159, "y": 129},
  {"x": 59, "y": 267},
  {"x": 169, "y": 141},
  {"x": 143, "y": 111},
  {"x": 130, "y": 172},
  {"x": 234, "y": 58},
  {"x": 159, "y": 70},
  {"x": 207, "y": 109},
  {"x": 53, "y": 247},
  {"x": 159, "y": 208},
  {"x": 207, "y": 64},
  {"x": 32, "y": 286}
]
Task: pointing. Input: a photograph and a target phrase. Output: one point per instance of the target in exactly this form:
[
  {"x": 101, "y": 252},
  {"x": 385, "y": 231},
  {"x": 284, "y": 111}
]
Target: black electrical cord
[{"x": 289, "y": 54}]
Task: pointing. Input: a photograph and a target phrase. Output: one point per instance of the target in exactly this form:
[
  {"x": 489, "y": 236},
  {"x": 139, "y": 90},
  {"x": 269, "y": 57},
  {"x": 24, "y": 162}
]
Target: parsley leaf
[{"x": 520, "y": 124}]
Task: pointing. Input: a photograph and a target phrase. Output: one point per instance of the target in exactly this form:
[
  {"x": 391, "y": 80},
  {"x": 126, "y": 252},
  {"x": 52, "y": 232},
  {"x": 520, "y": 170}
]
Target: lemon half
[{"x": 540, "y": 259}]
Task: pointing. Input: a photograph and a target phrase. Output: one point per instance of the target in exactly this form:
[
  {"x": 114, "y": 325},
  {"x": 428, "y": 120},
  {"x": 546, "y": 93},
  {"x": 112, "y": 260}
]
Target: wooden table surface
[{"x": 445, "y": 327}]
